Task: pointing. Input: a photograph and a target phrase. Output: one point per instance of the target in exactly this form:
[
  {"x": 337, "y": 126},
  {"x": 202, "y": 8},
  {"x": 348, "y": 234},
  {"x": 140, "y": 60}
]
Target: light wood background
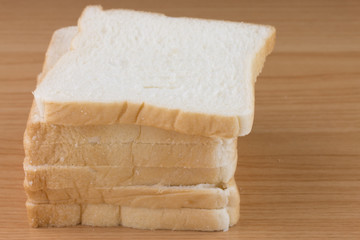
[{"x": 298, "y": 171}]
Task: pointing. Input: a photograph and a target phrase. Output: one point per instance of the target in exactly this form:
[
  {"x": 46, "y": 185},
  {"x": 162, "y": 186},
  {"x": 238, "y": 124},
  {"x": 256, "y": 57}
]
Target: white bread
[
  {"x": 98, "y": 145},
  {"x": 60, "y": 43},
  {"x": 101, "y": 206},
  {"x": 114, "y": 144},
  {"x": 188, "y": 75},
  {"x": 59, "y": 177},
  {"x": 147, "y": 207},
  {"x": 206, "y": 196},
  {"x": 180, "y": 219},
  {"x": 61, "y": 215},
  {"x": 53, "y": 215}
]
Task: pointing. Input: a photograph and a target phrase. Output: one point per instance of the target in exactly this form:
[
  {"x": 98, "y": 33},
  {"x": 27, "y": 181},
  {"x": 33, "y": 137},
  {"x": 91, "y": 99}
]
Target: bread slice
[
  {"x": 115, "y": 144},
  {"x": 192, "y": 76},
  {"x": 61, "y": 215},
  {"x": 201, "y": 207},
  {"x": 206, "y": 196},
  {"x": 119, "y": 144},
  {"x": 59, "y": 177}
]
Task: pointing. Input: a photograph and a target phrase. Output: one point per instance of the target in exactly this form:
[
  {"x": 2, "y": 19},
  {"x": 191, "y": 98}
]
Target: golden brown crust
[
  {"x": 53, "y": 215},
  {"x": 55, "y": 177},
  {"x": 141, "y": 196},
  {"x": 91, "y": 113}
]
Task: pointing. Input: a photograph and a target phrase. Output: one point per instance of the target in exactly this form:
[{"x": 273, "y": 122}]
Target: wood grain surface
[{"x": 299, "y": 169}]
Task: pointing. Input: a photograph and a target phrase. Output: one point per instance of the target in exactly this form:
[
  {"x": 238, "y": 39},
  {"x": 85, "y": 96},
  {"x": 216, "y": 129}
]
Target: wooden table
[{"x": 299, "y": 169}]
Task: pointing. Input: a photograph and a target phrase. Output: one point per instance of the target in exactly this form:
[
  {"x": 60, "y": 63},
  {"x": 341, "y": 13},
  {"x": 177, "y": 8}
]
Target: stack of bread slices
[{"x": 136, "y": 118}]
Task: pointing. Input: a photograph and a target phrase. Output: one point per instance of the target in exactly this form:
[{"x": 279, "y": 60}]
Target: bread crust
[
  {"x": 64, "y": 215},
  {"x": 92, "y": 113},
  {"x": 197, "y": 196},
  {"x": 97, "y": 145},
  {"x": 60, "y": 177}
]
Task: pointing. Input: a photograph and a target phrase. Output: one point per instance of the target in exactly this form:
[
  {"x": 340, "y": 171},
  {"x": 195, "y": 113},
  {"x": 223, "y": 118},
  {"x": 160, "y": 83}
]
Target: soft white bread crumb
[
  {"x": 189, "y": 75},
  {"x": 60, "y": 43},
  {"x": 101, "y": 215}
]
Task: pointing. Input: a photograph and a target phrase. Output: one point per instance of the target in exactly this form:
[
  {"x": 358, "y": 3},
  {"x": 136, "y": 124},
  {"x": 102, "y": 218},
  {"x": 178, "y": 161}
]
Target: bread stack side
[{"x": 87, "y": 163}]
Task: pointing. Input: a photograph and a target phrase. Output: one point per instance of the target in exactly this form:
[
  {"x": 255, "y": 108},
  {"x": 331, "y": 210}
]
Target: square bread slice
[{"x": 192, "y": 76}]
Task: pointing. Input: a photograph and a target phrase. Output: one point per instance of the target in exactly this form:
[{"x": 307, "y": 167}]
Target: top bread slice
[{"x": 189, "y": 75}]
